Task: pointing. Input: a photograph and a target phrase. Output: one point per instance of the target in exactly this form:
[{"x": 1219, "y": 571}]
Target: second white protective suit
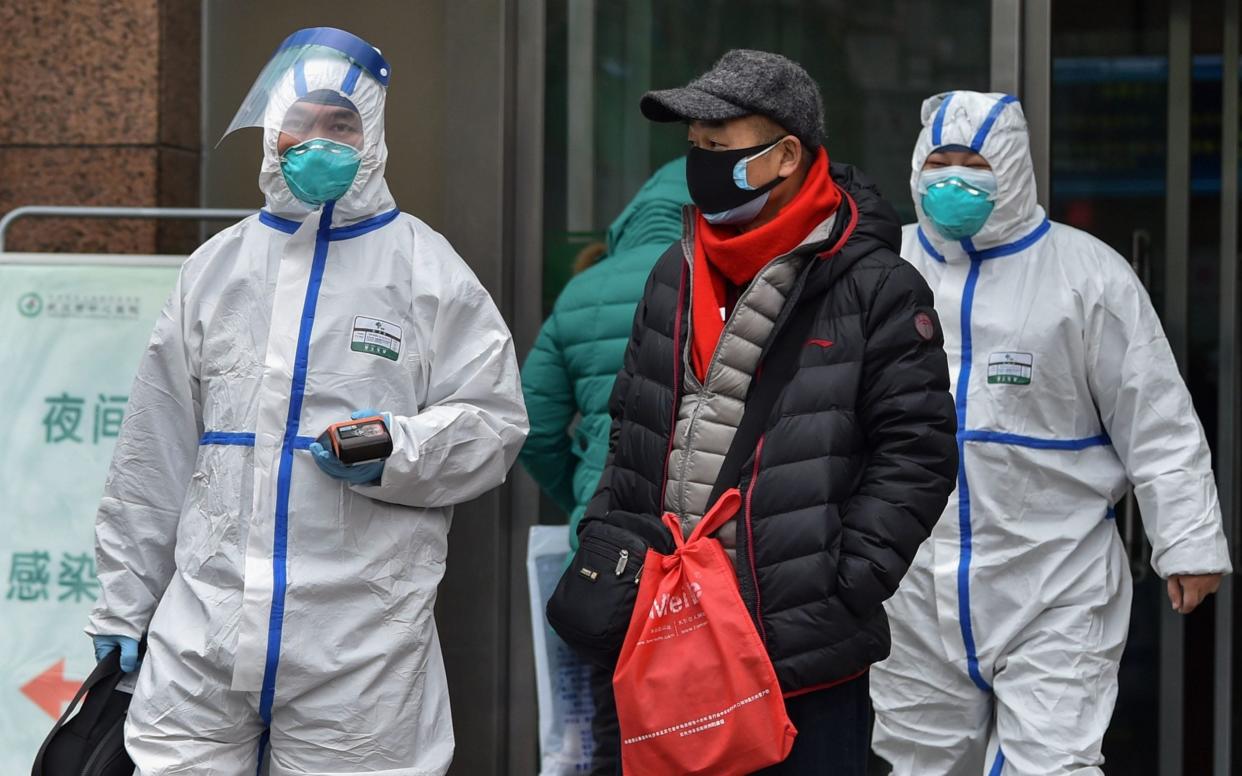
[
  {"x": 1008, "y": 630},
  {"x": 287, "y": 611}
]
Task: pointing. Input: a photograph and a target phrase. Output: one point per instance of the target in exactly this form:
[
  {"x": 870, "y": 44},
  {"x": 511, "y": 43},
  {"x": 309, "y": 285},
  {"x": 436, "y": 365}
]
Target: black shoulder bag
[{"x": 92, "y": 743}]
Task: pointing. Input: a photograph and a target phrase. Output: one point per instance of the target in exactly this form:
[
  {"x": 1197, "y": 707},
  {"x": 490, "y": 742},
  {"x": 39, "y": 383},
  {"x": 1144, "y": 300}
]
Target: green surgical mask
[
  {"x": 958, "y": 200},
  {"x": 319, "y": 170}
]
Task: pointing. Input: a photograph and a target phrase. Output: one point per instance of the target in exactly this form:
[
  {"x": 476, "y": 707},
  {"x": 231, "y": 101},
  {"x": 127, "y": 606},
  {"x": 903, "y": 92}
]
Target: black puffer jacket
[{"x": 857, "y": 460}]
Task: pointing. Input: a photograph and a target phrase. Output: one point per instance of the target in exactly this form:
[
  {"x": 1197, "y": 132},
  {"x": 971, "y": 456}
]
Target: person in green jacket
[{"x": 569, "y": 372}]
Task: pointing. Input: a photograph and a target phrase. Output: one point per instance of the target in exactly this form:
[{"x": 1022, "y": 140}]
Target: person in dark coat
[{"x": 858, "y": 454}]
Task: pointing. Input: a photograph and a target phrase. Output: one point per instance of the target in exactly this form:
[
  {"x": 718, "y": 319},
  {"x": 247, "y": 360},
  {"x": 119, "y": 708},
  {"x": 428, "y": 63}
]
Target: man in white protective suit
[
  {"x": 287, "y": 598},
  {"x": 1009, "y": 628}
]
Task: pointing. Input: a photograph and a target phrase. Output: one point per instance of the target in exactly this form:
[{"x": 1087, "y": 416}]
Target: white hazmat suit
[
  {"x": 284, "y": 609},
  {"x": 1008, "y": 630}
]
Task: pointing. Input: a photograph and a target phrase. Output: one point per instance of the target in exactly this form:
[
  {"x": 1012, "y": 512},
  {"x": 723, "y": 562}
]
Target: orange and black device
[{"x": 358, "y": 441}]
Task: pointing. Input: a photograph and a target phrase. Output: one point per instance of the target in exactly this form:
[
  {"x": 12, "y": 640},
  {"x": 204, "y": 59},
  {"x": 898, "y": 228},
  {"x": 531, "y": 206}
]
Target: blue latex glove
[
  {"x": 105, "y": 645},
  {"x": 359, "y": 474},
  {"x": 369, "y": 413}
]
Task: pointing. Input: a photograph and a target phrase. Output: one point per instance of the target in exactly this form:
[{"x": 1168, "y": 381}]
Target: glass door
[
  {"x": 1107, "y": 158},
  {"x": 1136, "y": 123},
  {"x": 875, "y": 63}
]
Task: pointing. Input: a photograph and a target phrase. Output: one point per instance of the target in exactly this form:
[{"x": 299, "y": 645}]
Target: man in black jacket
[{"x": 788, "y": 266}]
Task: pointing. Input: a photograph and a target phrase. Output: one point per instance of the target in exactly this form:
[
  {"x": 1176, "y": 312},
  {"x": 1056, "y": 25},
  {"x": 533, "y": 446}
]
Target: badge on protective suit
[
  {"x": 379, "y": 338},
  {"x": 1010, "y": 368}
]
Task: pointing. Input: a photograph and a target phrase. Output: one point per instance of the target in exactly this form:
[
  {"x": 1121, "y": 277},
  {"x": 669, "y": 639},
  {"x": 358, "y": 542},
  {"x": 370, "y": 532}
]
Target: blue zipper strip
[
  {"x": 977, "y": 257},
  {"x": 263, "y": 740},
  {"x": 998, "y": 765},
  {"x": 963, "y": 484},
  {"x": 296, "y": 395}
]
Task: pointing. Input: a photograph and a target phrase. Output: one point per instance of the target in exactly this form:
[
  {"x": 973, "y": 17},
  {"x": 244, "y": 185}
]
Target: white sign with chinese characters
[
  {"x": 70, "y": 340},
  {"x": 562, "y": 679}
]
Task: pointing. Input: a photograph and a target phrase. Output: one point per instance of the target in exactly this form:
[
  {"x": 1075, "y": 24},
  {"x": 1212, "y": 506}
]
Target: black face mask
[{"x": 712, "y": 177}]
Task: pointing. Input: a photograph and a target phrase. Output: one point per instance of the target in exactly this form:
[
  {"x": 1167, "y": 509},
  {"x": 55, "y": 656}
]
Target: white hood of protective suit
[
  {"x": 995, "y": 127},
  {"x": 369, "y": 195}
]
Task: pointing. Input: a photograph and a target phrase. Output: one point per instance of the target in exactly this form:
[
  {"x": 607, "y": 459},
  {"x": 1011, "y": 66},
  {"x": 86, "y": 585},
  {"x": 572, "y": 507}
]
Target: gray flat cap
[{"x": 742, "y": 83}]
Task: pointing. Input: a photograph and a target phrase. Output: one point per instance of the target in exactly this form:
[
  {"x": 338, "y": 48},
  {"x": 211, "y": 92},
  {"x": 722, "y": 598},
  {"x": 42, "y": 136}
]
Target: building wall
[{"x": 99, "y": 105}]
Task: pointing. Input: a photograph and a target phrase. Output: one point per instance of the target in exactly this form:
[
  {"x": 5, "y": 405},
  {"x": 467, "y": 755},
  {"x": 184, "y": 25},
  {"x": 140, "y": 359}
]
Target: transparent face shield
[{"x": 310, "y": 88}]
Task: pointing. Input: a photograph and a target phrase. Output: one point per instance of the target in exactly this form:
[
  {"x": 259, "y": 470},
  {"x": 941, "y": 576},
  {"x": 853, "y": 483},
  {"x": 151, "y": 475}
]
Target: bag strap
[
  {"x": 724, "y": 510},
  {"x": 776, "y": 368},
  {"x": 108, "y": 668},
  {"x": 721, "y": 512}
]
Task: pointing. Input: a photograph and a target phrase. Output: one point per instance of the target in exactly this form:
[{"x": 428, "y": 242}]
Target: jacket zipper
[
  {"x": 687, "y": 248},
  {"x": 609, "y": 550},
  {"x": 672, "y": 431},
  {"x": 781, "y": 320},
  {"x": 750, "y": 541}
]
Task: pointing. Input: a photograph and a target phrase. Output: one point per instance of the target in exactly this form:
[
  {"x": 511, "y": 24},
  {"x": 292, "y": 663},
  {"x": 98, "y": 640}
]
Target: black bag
[
  {"x": 591, "y": 606},
  {"x": 92, "y": 743},
  {"x": 593, "y": 603}
]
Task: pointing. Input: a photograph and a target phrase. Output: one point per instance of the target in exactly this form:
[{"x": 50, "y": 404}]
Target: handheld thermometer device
[{"x": 358, "y": 441}]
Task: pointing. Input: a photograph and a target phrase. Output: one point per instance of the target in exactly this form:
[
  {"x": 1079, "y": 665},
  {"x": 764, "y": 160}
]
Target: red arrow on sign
[{"x": 51, "y": 690}]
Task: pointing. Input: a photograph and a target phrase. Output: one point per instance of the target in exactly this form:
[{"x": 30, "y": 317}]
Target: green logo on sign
[
  {"x": 1010, "y": 368},
  {"x": 379, "y": 338},
  {"x": 30, "y": 304},
  {"x": 375, "y": 350}
]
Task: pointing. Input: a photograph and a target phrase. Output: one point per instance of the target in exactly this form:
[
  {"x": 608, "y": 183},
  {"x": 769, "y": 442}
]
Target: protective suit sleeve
[
  {"x": 546, "y": 384},
  {"x": 472, "y": 423},
  {"x": 1147, "y": 412},
  {"x": 152, "y": 466},
  {"x": 908, "y": 417}
]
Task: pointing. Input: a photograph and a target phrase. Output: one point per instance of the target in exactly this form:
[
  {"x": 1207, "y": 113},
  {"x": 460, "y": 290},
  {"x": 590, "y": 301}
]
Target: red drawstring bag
[{"x": 695, "y": 690}]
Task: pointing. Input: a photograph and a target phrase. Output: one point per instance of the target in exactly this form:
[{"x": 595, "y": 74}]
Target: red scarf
[{"x": 725, "y": 258}]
